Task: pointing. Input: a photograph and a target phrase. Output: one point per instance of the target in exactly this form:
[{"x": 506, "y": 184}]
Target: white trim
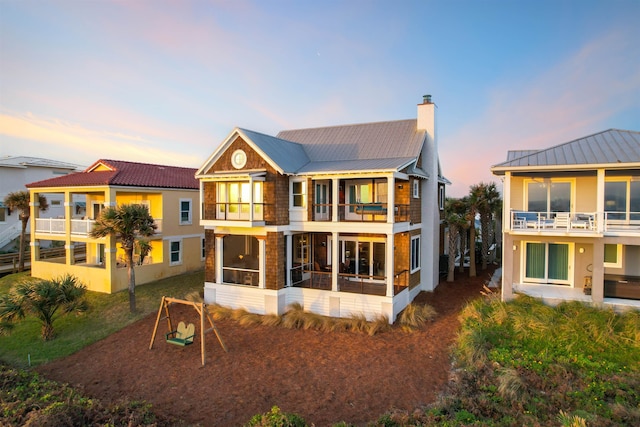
[
  {"x": 618, "y": 263},
  {"x": 413, "y": 268},
  {"x": 304, "y": 193},
  {"x": 179, "y": 261}
]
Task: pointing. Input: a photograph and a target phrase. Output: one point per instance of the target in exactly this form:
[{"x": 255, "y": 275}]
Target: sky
[{"x": 167, "y": 81}]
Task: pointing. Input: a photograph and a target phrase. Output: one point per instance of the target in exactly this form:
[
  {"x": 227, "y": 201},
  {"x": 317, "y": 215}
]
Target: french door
[{"x": 547, "y": 262}]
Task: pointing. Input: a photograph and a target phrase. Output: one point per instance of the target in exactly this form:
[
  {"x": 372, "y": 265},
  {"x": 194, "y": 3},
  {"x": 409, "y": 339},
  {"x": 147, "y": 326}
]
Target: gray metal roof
[
  {"x": 350, "y": 166},
  {"x": 290, "y": 156},
  {"x": 24, "y": 161},
  {"x": 367, "y": 141},
  {"x": 613, "y": 146},
  {"x": 516, "y": 154}
]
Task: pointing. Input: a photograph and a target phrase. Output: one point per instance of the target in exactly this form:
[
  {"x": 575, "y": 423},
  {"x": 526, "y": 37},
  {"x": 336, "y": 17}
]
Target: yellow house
[{"x": 170, "y": 193}]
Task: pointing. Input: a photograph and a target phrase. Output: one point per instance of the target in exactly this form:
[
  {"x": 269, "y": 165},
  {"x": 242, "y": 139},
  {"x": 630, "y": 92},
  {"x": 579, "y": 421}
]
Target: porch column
[
  {"x": 335, "y": 260},
  {"x": 262, "y": 255},
  {"x": 600, "y": 217},
  {"x": 506, "y": 211},
  {"x": 390, "y": 263},
  {"x": 219, "y": 258},
  {"x": 597, "y": 275},
  {"x": 68, "y": 214},
  {"x": 391, "y": 200},
  {"x": 509, "y": 256},
  {"x": 335, "y": 199},
  {"x": 251, "y": 205},
  {"x": 289, "y": 257}
]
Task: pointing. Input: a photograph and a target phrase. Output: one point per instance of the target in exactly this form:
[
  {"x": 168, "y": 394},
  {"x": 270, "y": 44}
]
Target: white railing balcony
[
  {"x": 51, "y": 225},
  {"x": 575, "y": 221},
  {"x": 81, "y": 227}
]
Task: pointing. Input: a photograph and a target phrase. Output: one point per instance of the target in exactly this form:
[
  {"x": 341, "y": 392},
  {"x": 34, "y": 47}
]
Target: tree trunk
[
  {"x": 485, "y": 222},
  {"x": 472, "y": 248},
  {"x": 132, "y": 280},
  {"x": 463, "y": 247},
  {"x": 453, "y": 236},
  {"x": 47, "y": 332},
  {"x": 23, "y": 241}
]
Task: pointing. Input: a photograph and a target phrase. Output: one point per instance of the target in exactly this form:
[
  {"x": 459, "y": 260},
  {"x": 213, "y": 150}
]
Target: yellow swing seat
[{"x": 182, "y": 336}]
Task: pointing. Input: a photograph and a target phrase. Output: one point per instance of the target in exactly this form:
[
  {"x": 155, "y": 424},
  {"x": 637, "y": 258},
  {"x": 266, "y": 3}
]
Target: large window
[
  {"x": 622, "y": 199},
  {"x": 240, "y": 260},
  {"x": 415, "y": 253},
  {"x": 547, "y": 262},
  {"x": 613, "y": 255},
  {"x": 548, "y": 196},
  {"x": 364, "y": 256},
  {"x": 185, "y": 211},
  {"x": 235, "y": 199}
]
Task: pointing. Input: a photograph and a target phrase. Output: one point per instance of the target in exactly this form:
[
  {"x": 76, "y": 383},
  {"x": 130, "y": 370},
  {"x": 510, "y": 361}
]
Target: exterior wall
[{"x": 275, "y": 261}]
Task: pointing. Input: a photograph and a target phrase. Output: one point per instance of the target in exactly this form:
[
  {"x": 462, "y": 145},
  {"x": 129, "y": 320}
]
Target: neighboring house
[
  {"x": 15, "y": 173},
  {"x": 571, "y": 225},
  {"x": 171, "y": 195},
  {"x": 343, "y": 220}
]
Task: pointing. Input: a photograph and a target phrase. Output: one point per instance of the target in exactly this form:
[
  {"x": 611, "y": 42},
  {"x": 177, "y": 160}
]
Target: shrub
[
  {"x": 276, "y": 418},
  {"x": 414, "y": 316}
]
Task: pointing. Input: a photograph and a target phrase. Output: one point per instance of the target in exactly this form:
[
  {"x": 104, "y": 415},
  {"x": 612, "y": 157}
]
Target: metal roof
[
  {"x": 365, "y": 141},
  {"x": 24, "y": 162},
  {"x": 613, "y": 146},
  {"x": 290, "y": 156}
]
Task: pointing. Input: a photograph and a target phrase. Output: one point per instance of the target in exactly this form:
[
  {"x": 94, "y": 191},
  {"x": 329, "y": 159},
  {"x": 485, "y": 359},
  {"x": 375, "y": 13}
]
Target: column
[
  {"x": 600, "y": 217},
  {"x": 390, "y": 263},
  {"x": 219, "y": 258},
  {"x": 68, "y": 214},
  {"x": 509, "y": 254},
  {"x": 262, "y": 255},
  {"x": 506, "y": 210},
  {"x": 391, "y": 199},
  {"x": 287, "y": 280},
  {"x": 335, "y": 260},
  {"x": 335, "y": 199},
  {"x": 597, "y": 278}
]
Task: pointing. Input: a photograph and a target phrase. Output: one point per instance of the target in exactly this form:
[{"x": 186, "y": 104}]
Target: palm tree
[
  {"x": 19, "y": 200},
  {"x": 456, "y": 221},
  {"x": 46, "y": 300},
  {"x": 488, "y": 203},
  {"x": 127, "y": 223}
]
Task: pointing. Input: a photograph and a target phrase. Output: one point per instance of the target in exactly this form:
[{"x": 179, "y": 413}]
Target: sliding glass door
[{"x": 547, "y": 262}]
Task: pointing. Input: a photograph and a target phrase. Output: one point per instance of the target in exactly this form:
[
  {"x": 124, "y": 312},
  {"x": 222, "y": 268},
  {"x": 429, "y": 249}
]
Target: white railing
[
  {"x": 79, "y": 227},
  {"x": 575, "y": 221},
  {"x": 51, "y": 225}
]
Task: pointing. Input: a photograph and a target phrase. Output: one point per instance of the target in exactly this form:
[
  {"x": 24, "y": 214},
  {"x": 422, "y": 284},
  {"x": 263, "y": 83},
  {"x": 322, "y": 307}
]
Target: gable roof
[
  {"x": 127, "y": 174},
  {"x": 22, "y": 162},
  {"x": 379, "y": 146},
  {"x": 610, "y": 147}
]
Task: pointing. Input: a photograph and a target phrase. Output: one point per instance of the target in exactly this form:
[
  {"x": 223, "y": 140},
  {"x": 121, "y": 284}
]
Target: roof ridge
[
  {"x": 347, "y": 125},
  {"x": 110, "y": 161}
]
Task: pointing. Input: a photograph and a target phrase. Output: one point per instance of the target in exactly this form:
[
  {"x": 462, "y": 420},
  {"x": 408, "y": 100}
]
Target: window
[
  {"x": 548, "y": 196},
  {"x": 175, "y": 252},
  {"x": 203, "y": 255},
  {"x": 234, "y": 200},
  {"x": 185, "y": 211},
  {"x": 3, "y": 214},
  {"x": 622, "y": 199},
  {"x": 547, "y": 262},
  {"x": 613, "y": 255},
  {"x": 441, "y": 197},
  {"x": 416, "y": 189},
  {"x": 415, "y": 253},
  {"x": 365, "y": 256},
  {"x": 298, "y": 194}
]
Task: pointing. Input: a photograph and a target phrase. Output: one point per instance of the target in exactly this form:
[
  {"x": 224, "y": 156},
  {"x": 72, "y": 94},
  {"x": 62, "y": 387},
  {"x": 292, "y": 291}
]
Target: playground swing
[{"x": 184, "y": 334}]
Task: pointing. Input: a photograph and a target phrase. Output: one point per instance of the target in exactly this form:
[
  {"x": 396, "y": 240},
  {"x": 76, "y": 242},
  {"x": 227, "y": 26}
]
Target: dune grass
[{"x": 106, "y": 314}]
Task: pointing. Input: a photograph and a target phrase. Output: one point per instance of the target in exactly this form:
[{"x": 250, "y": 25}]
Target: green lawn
[{"x": 106, "y": 314}]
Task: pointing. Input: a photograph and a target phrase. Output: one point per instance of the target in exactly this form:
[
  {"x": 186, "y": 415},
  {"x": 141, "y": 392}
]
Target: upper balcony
[
  {"x": 79, "y": 227},
  {"x": 575, "y": 222}
]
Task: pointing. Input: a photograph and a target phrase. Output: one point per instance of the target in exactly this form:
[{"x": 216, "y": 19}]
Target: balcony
[
  {"x": 360, "y": 212},
  {"x": 576, "y": 222},
  {"x": 238, "y": 211},
  {"x": 79, "y": 227}
]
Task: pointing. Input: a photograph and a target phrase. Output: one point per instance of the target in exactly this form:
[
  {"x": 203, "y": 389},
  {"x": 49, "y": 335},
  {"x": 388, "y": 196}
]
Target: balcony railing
[
  {"x": 575, "y": 221},
  {"x": 239, "y": 211},
  {"x": 79, "y": 227},
  {"x": 367, "y": 284},
  {"x": 360, "y": 212}
]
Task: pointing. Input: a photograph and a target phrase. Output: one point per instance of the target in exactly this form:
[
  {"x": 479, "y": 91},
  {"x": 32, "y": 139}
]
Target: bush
[{"x": 276, "y": 418}]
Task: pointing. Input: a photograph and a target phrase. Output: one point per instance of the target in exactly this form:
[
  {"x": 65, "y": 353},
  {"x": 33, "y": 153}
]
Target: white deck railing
[
  {"x": 575, "y": 221},
  {"x": 79, "y": 227}
]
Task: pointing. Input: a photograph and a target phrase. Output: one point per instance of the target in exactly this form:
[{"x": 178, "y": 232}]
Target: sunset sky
[{"x": 166, "y": 81}]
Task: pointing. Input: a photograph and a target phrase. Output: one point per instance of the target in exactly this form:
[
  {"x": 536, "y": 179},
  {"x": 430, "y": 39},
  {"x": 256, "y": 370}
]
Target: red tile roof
[{"x": 128, "y": 174}]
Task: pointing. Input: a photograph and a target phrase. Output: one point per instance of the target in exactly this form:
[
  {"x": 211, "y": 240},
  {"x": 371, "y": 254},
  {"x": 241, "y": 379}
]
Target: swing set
[{"x": 183, "y": 335}]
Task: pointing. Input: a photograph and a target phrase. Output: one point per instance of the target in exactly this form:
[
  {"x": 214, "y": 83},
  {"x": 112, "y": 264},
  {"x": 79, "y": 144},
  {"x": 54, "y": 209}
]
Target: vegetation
[
  {"x": 276, "y": 418},
  {"x": 455, "y": 216},
  {"x": 128, "y": 223},
  {"x": 524, "y": 363},
  {"x": 105, "y": 315},
  {"x": 485, "y": 198},
  {"x": 28, "y": 400},
  {"x": 19, "y": 200},
  {"x": 45, "y": 300}
]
